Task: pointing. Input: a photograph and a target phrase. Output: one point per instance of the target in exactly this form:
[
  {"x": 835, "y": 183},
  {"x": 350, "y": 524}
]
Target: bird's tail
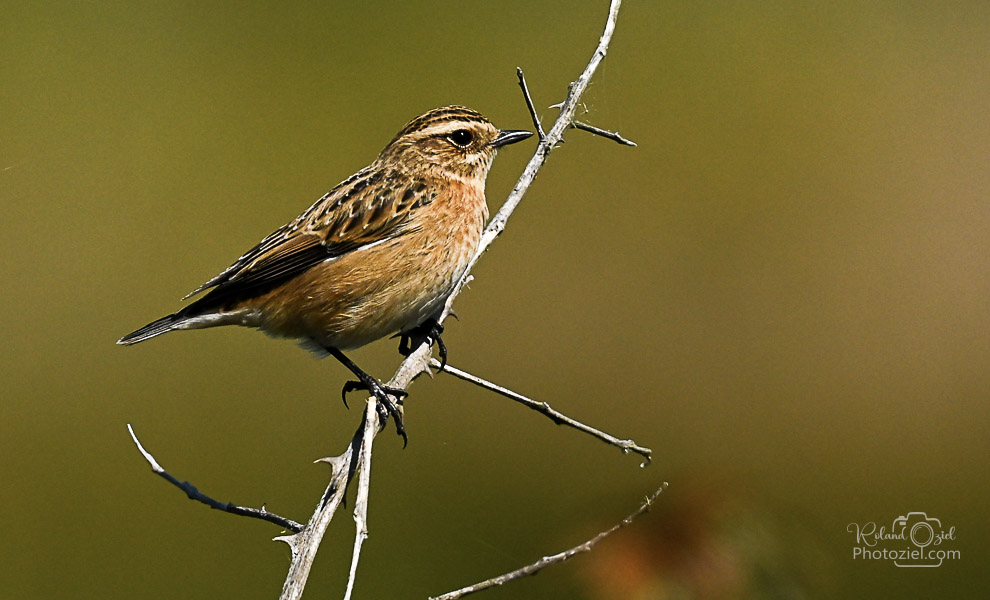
[{"x": 155, "y": 328}]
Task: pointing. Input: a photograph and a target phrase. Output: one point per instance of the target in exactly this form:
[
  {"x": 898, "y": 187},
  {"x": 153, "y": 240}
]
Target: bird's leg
[
  {"x": 405, "y": 349},
  {"x": 381, "y": 392},
  {"x": 427, "y": 332}
]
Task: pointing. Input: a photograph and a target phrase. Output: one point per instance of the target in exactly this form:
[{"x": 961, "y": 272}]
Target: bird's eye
[{"x": 461, "y": 138}]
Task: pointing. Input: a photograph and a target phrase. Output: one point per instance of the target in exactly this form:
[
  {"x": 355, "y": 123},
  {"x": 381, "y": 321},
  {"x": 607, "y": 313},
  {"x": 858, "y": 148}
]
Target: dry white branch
[
  {"x": 357, "y": 458},
  {"x": 304, "y": 544},
  {"x": 546, "y": 561},
  {"x": 364, "y": 487},
  {"x": 543, "y": 408}
]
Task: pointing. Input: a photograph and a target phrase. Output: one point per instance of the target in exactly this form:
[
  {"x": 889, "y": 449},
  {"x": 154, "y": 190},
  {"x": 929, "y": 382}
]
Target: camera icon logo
[{"x": 921, "y": 530}]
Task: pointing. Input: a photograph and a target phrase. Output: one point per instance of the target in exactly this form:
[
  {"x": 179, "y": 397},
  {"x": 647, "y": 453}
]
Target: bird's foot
[
  {"x": 427, "y": 332},
  {"x": 386, "y": 406}
]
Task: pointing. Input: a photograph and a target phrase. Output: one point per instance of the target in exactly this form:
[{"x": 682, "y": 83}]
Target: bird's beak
[{"x": 510, "y": 136}]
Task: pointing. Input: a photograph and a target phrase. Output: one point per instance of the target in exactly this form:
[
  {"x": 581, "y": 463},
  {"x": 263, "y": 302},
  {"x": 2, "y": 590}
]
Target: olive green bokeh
[{"x": 783, "y": 289}]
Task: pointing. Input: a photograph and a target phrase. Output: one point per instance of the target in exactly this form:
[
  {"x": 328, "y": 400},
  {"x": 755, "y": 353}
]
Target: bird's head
[{"x": 454, "y": 140}]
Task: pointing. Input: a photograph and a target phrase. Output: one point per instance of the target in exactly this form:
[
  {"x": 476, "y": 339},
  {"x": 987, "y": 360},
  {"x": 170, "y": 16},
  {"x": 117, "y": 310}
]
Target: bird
[{"x": 377, "y": 255}]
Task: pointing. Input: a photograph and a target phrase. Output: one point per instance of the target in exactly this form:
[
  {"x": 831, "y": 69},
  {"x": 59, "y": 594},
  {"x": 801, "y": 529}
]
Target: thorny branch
[
  {"x": 544, "y": 409},
  {"x": 546, "y": 561},
  {"x": 304, "y": 544},
  {"x": 612, "y": 135},
  {"x": 361, "y": 502},
  {"x": 194, "y": 494},
  {"x": 356, "y": 459}
]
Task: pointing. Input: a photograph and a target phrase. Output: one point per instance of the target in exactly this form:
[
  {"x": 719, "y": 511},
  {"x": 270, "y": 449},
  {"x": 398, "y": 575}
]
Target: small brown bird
[{"x": 378, "y": 254}]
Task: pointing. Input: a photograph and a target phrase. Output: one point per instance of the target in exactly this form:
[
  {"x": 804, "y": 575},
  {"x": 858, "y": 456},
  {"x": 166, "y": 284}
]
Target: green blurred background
[{"x": 783, "y": 291}]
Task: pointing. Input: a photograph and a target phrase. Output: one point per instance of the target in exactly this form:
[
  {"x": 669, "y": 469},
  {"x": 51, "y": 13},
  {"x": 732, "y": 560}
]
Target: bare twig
[
  {"x": 612, "y": 135},
  {"x": 546, "y": 561},
  {"x": 364, "y": 487},
  {"x": 529, "y": 104},
  {"x": 553, "y": 137},
  {"x": 544, "y": 409},
  {"x": 194, "y": 494}
]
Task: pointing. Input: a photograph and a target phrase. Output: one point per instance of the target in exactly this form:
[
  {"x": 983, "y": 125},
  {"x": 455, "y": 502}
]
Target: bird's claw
[
  {"x": 386, "y": 407},
  {"x": 349, "y": 386},
  {"x": 428, "y": 332}
]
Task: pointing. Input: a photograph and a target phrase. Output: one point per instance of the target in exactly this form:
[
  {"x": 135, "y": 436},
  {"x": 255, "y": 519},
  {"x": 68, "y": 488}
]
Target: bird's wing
[{"x": 369, "y": 207}]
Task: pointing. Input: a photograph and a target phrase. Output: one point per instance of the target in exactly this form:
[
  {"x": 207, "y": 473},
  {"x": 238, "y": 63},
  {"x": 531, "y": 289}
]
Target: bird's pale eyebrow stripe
[
  {"x": 451, "y": 112},
  {"x": 444, "y": 128},
  {"x": 420, "y": 125}
]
